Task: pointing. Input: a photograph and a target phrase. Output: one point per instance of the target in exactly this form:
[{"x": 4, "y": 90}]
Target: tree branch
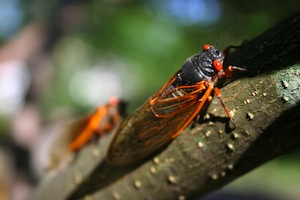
[{"x": 265, "y": 103}]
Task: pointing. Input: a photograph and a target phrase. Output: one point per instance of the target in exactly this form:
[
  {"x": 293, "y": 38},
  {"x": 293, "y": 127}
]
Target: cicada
[
  {"x": 164, "y": 116},
  {"x": 102, "y": 121},
  {"x": 78, "y": 133}
]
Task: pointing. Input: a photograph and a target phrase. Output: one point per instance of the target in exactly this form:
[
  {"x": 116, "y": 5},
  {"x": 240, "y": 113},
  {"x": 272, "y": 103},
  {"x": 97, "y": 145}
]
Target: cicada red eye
[
  {"x": 218, "y": 65},
  {"x": 206, "y": 47}
]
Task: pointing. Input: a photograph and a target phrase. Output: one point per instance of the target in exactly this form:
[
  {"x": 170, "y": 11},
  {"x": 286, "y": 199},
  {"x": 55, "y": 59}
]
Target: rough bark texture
[{"x": 265, "y": 103}]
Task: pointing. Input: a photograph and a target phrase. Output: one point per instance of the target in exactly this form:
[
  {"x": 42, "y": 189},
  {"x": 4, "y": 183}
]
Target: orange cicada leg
[{"x": 218, "y": 94}]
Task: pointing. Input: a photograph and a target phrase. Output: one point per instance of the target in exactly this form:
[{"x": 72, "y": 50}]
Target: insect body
[
  {"x": 76, "y": 134},
  {"x": 102, "y": 121},
  {"x": 171, "y": 109}
]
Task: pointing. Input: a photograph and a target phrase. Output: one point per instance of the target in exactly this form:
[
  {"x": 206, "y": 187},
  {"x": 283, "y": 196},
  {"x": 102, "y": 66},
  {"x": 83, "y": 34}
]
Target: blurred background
[{"x": 61, "y": 59}]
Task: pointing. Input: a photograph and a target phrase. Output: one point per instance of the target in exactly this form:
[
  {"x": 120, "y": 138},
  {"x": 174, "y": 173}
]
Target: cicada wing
[
  {"x": 95, "y": 123},
  {"x": 143, "y": 133},
  {"x": 77, "y": 126},
  {"x": 173, "y": 100},
  {"x": 139, "y": 135}
]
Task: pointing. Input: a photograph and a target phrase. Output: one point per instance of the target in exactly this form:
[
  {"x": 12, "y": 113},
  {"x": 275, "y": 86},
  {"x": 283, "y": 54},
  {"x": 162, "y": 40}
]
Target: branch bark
[{"x": 265, "y": 102}]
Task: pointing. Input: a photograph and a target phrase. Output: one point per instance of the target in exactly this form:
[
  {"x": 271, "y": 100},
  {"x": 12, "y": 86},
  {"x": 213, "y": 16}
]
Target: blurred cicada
[{"x": 81, "y": 131}]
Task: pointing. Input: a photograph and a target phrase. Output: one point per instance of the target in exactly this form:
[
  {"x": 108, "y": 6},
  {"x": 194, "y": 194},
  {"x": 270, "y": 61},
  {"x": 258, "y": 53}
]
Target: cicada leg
[{"x": 218, "y": 94}]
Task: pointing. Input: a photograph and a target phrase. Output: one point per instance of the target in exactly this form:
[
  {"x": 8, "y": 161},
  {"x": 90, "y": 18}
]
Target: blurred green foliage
[{"x": 154, "y": 45}]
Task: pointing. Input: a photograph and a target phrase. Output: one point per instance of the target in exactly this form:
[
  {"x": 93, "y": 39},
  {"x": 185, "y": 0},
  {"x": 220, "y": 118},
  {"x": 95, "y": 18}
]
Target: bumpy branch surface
[{"x": 265, "y": 103}]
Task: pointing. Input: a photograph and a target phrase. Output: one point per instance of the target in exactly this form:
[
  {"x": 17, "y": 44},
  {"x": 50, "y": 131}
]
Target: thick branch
[{"x": 206, "y": 157}]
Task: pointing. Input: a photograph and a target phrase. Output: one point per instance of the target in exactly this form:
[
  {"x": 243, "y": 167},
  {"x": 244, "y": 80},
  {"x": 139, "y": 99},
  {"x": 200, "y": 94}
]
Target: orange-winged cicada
[
  {"x": 164, "y": 116},
  {"x": 102, "y": 121},
  {"x": 76, "y": 134}
]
